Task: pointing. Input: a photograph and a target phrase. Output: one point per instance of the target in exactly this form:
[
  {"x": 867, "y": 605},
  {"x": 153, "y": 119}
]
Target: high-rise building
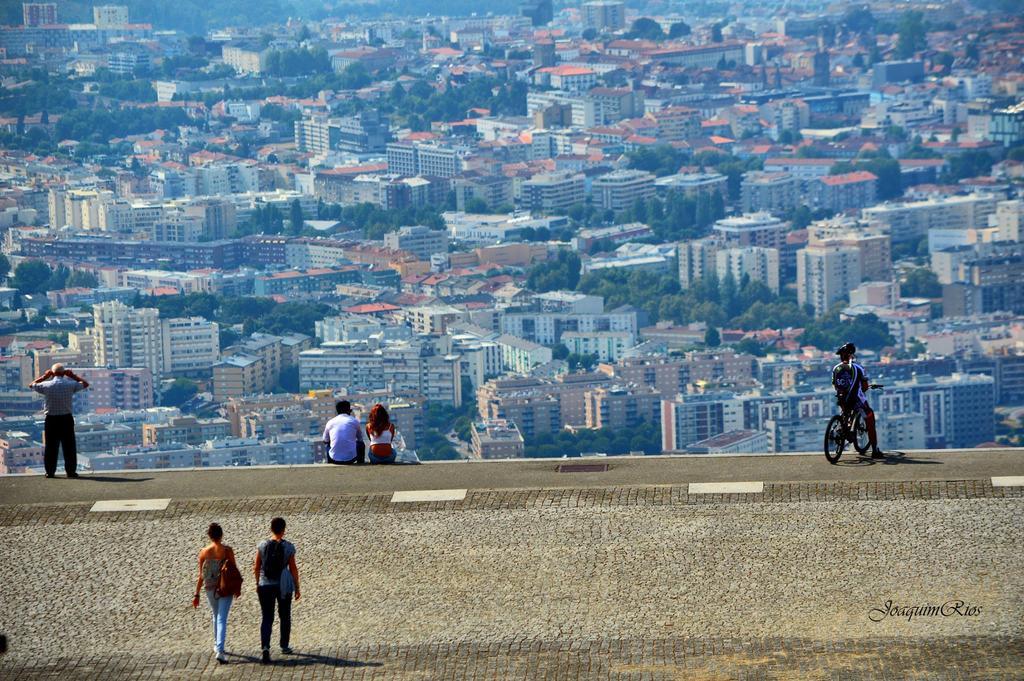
[
  {"x": 776, "y": 193},
  {"x": 364, "y": 133},
  {"x": 826, "y": 273},
  {"x": 697, "y": 259},
  {"x": 691, "y": 418},
  {"x": 911, "y": 221},
  {"x": 423, "y": 158},
  {"x": 619, "y": 189},
  {"x": 419, "y": 240},
  {"x": 122, "y": 389},
  {"x": 106, "y": 16},
  {"x": 128, "y": 337},
  {"x": 553, "y": 191},
  {"x": 753, "y": 262},
  {"x": 38, "y": 13},
  {"x": 191, "y": 346},
  {"x": 755, "y": 229},
  {"x": 604, "y": 15},
  {"x": 540, "y": 12}
]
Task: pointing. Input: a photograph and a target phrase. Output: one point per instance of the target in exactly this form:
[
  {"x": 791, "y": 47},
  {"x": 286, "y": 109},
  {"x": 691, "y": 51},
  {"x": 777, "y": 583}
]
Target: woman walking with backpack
[
  {"x": 215, "y": 560},
  {"x": 277, "y": 579}
]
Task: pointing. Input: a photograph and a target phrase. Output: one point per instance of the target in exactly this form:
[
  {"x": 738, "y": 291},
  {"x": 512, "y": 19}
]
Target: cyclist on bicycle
[{"x": 850, "y": 381}]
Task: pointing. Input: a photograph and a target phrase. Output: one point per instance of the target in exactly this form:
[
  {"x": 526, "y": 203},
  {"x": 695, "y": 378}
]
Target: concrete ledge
[{"x": 675, "y": 470}]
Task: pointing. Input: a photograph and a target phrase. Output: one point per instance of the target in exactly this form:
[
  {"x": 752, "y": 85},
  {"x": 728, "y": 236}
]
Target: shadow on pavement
[
  {"x": 111, "y": 478},
  {"x": 890, "y": 459},
  {"x": 298, "y": 659}
]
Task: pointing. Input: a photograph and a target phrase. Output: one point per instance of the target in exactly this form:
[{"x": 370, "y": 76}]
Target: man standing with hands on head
[{"x": 59, "y": 385}]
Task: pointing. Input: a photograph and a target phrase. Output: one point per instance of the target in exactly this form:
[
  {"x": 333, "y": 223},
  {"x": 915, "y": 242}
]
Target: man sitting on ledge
[
  {"x": 344, "y": 438},
  {"x": 58, "y": 385}
]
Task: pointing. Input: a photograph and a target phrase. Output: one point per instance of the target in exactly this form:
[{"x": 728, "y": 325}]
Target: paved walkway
[{"x": 629, "y": 580}]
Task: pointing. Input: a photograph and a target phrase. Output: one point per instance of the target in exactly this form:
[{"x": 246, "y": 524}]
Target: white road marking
[
  {"x": 130, "y": 505},
  {"x": 428, "y": 495},
  {"x": 1008, "y": 481},
  {"x": 726, "y": 487}
]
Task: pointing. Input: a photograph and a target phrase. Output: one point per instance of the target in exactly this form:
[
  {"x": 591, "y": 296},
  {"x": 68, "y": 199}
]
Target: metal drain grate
[{"x": 583, "y": 468}]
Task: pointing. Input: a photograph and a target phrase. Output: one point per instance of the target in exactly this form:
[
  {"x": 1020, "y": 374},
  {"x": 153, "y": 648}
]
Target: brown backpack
[{"x": 230, "y": 581}]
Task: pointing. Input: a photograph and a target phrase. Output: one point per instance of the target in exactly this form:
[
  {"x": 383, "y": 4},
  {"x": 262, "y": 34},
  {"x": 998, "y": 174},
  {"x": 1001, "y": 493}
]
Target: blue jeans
[{"x": 219, "y": 616}]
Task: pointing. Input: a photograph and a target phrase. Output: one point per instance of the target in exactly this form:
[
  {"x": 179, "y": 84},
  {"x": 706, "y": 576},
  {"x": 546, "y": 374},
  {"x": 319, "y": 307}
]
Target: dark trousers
[
  {"x": 59, "y": 432},
  {"x": 270, "y": 595}
]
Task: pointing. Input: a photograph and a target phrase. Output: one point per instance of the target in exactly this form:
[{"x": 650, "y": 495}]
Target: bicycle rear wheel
[
  {"x": 860, "y": 433},
  {"x": 835, "y": 439}
]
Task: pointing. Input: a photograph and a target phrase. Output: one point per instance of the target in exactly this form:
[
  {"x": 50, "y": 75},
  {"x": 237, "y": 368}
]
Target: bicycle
[{"x": 847, "y": 428}]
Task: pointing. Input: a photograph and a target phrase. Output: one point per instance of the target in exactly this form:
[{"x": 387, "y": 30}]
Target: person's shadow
[
  {"x": 298, "y": 659},
  {"x": 109, "y": 478}
]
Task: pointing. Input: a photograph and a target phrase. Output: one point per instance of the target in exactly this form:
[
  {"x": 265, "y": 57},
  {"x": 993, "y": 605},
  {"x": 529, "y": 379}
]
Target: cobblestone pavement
[{"x": 630, "y": 583}]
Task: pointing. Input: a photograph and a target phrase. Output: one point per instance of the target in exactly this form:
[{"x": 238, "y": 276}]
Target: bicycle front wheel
[{"x": 835, "y": 439}]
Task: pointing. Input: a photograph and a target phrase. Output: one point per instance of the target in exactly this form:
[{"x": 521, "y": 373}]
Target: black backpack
[{"x": 273, "y": 560}]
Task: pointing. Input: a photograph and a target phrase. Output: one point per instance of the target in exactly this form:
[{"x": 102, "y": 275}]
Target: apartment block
[
  {"x": 619, "y": 189},
  {"x": 776, "y": 193},
  {"x": 497, "y": 439},
  {"x": 825, "y": 274},
  {"x": 912, "y": 220},
  {"x": 128, "y": 337},
  {"x": 191, "y": 346},
  {"x": 553, "y": 191},
  {"x": 121, "y": 389}
]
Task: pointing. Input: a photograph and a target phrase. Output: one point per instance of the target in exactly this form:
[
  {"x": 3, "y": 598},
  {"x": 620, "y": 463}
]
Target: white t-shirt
[{"x": 342, "y": 432}]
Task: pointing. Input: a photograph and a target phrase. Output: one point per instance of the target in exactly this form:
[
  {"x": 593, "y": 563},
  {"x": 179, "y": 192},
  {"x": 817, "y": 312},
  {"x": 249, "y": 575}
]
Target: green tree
[
  {"x": 646, "y": 29},
  {"x": 79, "y": 279},
  {"x": 679, "y": 29},
  {"x": 296, "y": 220},
  {"x": 712, "y": 338},
  {"x": 477, "y": 205},
  {"x": 921, "y": 282},
  {"x": 563, "y": 273},
  {"x": 5, "y": 266},
  {"x": 180, "y": 391},
  {"x": 32, "y": 276},
  {"x": 912, "y": 35}
]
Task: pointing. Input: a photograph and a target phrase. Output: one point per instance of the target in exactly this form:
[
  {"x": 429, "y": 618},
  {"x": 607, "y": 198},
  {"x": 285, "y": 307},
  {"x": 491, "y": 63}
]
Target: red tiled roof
[
  {"x": 371, "y": 308},
  {"x": 849, "y": 178}
]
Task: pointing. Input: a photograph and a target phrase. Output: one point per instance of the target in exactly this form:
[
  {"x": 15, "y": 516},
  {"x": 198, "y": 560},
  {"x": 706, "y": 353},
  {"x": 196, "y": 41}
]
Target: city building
[
  {"x": 419, "y": 240},
  {"x": 190, "y": 346},
  {"x": 38, "y": 13},
  {"x": 604, "y": 15},
  {"x": 128, "y": 337},
  {"x": 732, "y": 442},
  {"x": 121, "y": 389},
  {"x": 245, "y": 59},
  {"x": 607, "y": 346},
  {"x": 553, "y": 191},
  {"x": 423, "y": 158},
  {"x": 619, "y": 408},
  {"x": 756, "y": 229},
  {"x": 912, "y": 220},
  {"x": 687, "y": 419},
  {"x": 497, "y": 439},
  {"x": 840, "y": 193},
  {"x": 825, "y": 274},
  {"x": 776, "y": 193},
  {"x": 752, "y": 262},
  {"x": 620, "y": 189}
]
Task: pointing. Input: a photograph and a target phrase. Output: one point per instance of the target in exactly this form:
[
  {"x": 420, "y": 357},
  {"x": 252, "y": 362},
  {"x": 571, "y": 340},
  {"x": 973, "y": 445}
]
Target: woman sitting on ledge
[{"x": 382, "y": 434}]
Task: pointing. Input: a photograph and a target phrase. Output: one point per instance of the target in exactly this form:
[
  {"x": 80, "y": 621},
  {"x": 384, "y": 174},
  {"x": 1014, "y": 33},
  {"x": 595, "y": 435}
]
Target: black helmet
[{"x": 848, "y": 349}]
